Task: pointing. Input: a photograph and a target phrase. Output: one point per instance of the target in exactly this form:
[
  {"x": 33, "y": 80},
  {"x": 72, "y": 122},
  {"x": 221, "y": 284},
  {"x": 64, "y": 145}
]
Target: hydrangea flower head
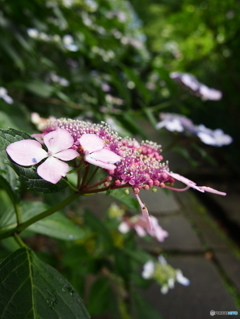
[
  {"x": 164, "y": 274},
  {"x": 30, "y": 152}
]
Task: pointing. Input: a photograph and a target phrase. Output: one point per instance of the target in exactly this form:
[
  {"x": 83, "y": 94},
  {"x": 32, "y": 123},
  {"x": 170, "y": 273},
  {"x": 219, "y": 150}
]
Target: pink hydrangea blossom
[{"x": 29, "y": 152}]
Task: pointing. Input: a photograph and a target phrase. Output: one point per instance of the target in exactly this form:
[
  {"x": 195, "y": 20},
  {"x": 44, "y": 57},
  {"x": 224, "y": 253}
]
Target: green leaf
[
  {"x": 29, "y": 288},
  {"x": 143, "y": 309},
  {"x": 98, "y": 226},
  {"x": 39, "y": 88},
  {"x": 99, "y": 298},
  {"x": 56, "y": 225},
  {"x": 130, "y": 202},
  {"x": 12, "y": 186},
  {"x": 27, "y": 175}
]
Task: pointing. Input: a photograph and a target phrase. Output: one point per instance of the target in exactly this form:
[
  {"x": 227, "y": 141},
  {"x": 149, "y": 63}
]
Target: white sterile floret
[{"x": 148, "y": 269}]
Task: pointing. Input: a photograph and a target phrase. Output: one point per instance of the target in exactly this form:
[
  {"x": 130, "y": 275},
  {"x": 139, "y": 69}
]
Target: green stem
[
  {"x": 48, "y": 212},
  {"x": 84, "y": 177},
  {"x": 18, "y": 213},
  {"x": 91, "y": 177},
  {"x": 19, "y": 240},
  {"x": 44, "y": 214}
]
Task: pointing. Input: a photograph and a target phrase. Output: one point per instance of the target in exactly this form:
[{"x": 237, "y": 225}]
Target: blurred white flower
[
  {"x": 57, "y": 79},
  {"x": 4, "y": 95},
  {"x": 68, "y": 42},
  {"x": 178, "y": 123},
  {"x": 148, "y": 269},
  {"x": 213, "y": 137},
  {"x": 33, "y": 33},
  {"x": 181, "y": 279},
  {"x": 199, "y": 89}
]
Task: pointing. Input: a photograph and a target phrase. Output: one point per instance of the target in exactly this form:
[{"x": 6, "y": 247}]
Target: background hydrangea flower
[
  {"x": 213, "y": 137},
  {"x": 198, "y": 89},
  {"x": 179, "y": 123},
  {"x": 139, "y": 224},
  {"x": 30, "y": 152}
]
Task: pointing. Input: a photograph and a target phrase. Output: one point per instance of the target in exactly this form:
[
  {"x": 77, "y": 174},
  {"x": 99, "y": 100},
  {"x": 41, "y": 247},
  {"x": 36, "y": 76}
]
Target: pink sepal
[
  {"x": 93, "y": 160},
  {"x": 145, "y": 213},
  {"x": 58, "y": 140},
  {"x": 211, "y": 190},
  {"x": 67, "y": 155},
  {"x": 52, "y": 170},
  {"x": 91, "y": 143},
  {"x": 26, "y": 152}
]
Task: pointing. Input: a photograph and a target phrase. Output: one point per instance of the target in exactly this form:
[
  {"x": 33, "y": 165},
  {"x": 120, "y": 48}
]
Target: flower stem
[
  {"x": 44, "y": 214},
  {"x": 84, "y": 177},
  {"x": 19, "y": 240},
  {"x": 18, "y": 213}
]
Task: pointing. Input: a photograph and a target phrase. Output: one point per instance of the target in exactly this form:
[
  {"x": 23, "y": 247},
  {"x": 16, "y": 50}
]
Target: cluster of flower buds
[{"x": 127, "y": 162}]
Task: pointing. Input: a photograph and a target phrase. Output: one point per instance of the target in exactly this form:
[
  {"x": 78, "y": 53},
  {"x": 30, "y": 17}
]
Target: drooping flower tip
[{"x": 191, "y": 184}]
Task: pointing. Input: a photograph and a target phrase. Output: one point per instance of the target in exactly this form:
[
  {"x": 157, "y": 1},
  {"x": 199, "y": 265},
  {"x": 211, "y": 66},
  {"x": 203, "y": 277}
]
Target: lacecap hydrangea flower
[
  {"x": 163, "y": 274},
  {"x": 128, "y": 163}
]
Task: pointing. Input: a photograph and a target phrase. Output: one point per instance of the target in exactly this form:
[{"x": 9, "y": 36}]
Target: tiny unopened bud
[
  {"x": 154, "y": 189},
  {"x": 156, "y": 183},
  {"x": 117, "y": 182},
  {"x": 136, "y": 190},
  {"x": 111, "y": 172},
  {"x": 109, "y": 178},
  {"x": 150, "y": 182},
  {"x": 146, "y": 187},
  {"x": 126, "y": 191},
  {"x": 106, "y": 184}
]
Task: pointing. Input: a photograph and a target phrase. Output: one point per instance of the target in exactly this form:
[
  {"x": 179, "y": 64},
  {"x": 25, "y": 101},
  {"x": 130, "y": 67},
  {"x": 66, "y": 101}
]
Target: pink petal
[
  {"x": 67, "y": 155},
  {"x": 26, "y": 152},
  {"x": 211, "y": 190},
  {"x": 181, "y": 179},
  {"x": 52, "y": 170},
  {"x": 58, "y": 140},
  {"x": 96, "y": 162},
  {"x": 103, "y": 158},
  {"x": 38, "y": 137},
  {"x": 91, "y": 143},
  {"x": 140, "y": 231},
  {"x": 145, "y": 213}
]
